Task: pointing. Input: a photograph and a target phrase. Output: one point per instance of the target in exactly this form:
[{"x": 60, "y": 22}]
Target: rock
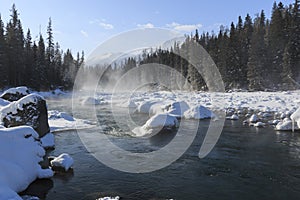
[
  {"x": 30, "y": 110},
  {"x": 14, "y": 94}
]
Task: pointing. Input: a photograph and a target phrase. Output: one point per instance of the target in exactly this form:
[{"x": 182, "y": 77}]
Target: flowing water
[{"x": 246, "y": 163}]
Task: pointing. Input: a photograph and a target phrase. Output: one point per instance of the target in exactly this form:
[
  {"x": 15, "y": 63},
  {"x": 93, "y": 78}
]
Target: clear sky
[{"x": 82, "y": 25}]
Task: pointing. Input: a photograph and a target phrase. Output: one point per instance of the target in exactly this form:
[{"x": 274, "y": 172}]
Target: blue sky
[{"x": 83, "y": 25}]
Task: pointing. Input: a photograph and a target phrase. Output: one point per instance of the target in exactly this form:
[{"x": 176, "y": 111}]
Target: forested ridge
[
  {"x": 40, "y": 65},
  {"x": 253, "y": 54}
]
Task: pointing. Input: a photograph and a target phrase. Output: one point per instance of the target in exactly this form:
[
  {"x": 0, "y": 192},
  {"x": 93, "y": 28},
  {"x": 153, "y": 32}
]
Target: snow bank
[
  {"x": 59, "y": 121},
  {"x": 178, "y": 109},
  {"x": 20, "y": 153},
  {"x": 199, "y": 112},
  {"x": 155, "y": 124},
  {"x": 64, "y": 161}
]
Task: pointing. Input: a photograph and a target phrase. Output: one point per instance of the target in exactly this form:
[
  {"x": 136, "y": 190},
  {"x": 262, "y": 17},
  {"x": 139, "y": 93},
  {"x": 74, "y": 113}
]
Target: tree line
[
  {"x": 40, "y": 64},
  {"x": 253, "y": 54}
]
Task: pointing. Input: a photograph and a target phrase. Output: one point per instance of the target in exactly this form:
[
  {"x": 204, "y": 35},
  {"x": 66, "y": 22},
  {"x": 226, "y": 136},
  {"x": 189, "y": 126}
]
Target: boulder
[
  {"x": 30, "y": 110},
  {"x": 14, "y": 94}
]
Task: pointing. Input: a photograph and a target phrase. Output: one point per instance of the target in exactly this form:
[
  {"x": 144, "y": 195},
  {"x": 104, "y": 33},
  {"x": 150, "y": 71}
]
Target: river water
[{"x": 246, "y": 163}]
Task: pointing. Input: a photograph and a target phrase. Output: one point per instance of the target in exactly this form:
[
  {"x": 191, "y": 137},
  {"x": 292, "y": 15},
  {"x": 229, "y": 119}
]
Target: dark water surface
[{"x": 247, "y": 163}]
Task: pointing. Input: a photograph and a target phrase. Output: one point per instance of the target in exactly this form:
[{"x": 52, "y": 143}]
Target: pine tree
[
  {"x": 41, "y": 65},
  {"x": 3, "y": 57},
  {"x": 277, "y": 41},
  {"x": 290, "y": 73},
  {"x": 257, "y": 55},
  {"x": 28, "y": 60},
  {"x": 15, "y": 48}
]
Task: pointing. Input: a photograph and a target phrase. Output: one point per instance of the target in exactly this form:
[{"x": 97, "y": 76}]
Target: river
[{"x": 246, "y": 163}]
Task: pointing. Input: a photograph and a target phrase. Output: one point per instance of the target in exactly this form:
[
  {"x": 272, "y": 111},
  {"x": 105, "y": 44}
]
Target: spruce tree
[
  {"x": 3, "y": 57},
  {"x": 15, "y": 48},
  {"x": 257, "y": 55}
]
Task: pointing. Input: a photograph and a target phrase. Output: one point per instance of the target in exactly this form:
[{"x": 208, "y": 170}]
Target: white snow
[
  {"x": 178, "y": 109},
  {"x": 64, "y": 161},
  {"x": 253, "y": 119},
  {"x": 145, "y": 106},
  {"x": 3, "y": 103},
  {"x": 199, "y": 112},
  {"x": 127, "y": 104},
  {"x": 48, "y": 141},
  {"x": 92, "y": 101},
  {"x": 59, "y": 121},
  {"x": 286, "y": 125},
  {"x": 259, "y": 124},
  {"x": 21, "y": 90},
  {"x": 14, "y": 106},
  {"x": 234, "y": 117},
  {"x": 295, "y": 117},
  {"x": 109, "y": 198},
  {"x": 155, "y": 124},
  {"x": 20, "y": 153}
]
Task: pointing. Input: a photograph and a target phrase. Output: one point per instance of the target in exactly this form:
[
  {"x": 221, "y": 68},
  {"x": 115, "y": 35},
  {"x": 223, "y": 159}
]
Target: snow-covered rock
[
  {"x": 178, "y": 109},
  {"x": 59, "y": 121},
  {"x": 286, "y": 125},
  {"x": 253, "y": 118},
  {"x": 199, "y": 112},
  {"x": 63, "y": 161},
  {"x": 48, "y": 141},
  {"x": 295, "y": 117},
  {"x": 30, "y": 110},
  {"x": 259, "y": 124},
  {"x": 155, "y": 124},
  {"x": 20, "y": 154},
  {"x": 233, "y": 117},
  {"x": 54, "y": 114},
  {"x": 91, "y": 101},
  {"x": 14, "y": 94},
  {"x": 145, "y": 107}
]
